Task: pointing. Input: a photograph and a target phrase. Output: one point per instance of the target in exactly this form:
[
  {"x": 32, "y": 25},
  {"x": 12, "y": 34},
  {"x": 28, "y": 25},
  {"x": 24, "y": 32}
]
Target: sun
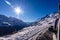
[{"x": 18, "y": 10}]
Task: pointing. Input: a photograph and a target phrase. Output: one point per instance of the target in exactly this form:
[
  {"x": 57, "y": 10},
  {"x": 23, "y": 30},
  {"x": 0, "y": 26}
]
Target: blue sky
[{"x": 33, "y": 9}]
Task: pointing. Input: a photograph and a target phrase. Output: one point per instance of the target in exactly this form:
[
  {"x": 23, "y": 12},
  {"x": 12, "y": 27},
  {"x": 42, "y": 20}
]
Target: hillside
[{"x": 38, "y": 31}]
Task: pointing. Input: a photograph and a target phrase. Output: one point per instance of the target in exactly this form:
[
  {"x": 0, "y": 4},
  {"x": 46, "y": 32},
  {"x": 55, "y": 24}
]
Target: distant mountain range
[
  {"x": 10, "y": 24},
  {"x": 11, "y": 21}
]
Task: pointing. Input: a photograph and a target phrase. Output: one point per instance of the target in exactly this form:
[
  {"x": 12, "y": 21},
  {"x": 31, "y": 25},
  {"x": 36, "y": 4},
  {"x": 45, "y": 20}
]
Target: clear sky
[{"x": 33, "y": 9}]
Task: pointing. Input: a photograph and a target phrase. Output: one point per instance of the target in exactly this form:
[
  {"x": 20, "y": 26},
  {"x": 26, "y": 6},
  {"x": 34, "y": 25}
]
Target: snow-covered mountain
[
  {"x": 10, "y": 24},
  {"x": 17, "y": 22},
  {"x": 11, "y": 21},
  {"x": 34, "y": 30}
]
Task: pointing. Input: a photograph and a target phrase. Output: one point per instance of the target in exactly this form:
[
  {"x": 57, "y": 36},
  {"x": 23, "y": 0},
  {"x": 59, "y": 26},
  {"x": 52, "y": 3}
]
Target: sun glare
[{"x": 18, "y": 10}]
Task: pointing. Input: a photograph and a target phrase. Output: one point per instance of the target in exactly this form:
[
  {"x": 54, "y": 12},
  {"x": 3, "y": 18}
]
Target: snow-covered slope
[{"x": 31, "y": 32}]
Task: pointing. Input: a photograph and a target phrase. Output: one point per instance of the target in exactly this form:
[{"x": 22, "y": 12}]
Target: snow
[
  {"x": 28, "y": 32},
  {"x": 54, "y": 37},
  {"x": 6, "y": 23},
  {"x": 32, "y": 31}
]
